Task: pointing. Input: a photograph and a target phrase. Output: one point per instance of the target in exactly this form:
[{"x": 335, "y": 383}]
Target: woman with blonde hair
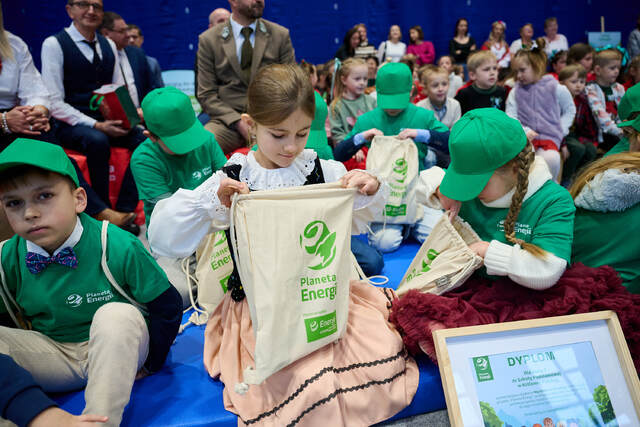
[{"x": 497, "y": 44}]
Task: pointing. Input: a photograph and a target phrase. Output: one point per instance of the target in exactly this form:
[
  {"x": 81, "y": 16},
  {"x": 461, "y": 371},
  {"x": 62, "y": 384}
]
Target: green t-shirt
[
  {"x": 610, "y": 238},
  {"x": 620, "y": 147},
  {"x": 546, "y": 220},
  {"x": 158, "y": 175},
  {"x": 60, "y": 301},
  {"x": 412, "y": 117},
  {"x": 318, "y": 140}
]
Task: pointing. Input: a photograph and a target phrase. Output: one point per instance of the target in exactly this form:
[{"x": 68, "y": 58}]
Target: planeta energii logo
[
  {"x": 74, "y": 300},
  {"x": 323, "y": 244},
  {"x": 401, "y": 167},
  {"x": 483, "y": 368}
]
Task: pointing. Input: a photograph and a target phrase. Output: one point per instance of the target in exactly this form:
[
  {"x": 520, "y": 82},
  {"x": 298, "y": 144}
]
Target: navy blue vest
[{"x": 81, "y": 77}]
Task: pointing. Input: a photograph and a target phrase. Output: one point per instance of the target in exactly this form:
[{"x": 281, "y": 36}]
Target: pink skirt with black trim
[{"x": 361, "y": 379}]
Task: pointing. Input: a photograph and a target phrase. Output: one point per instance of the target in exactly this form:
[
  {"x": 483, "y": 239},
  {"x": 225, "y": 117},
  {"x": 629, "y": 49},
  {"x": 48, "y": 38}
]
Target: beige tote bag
[
  {"x": 293, "y": 252},
  {"x": 214, "y": 266},
  {"x": 396, "y": 161},
  {"x": 444, "y": 260}
]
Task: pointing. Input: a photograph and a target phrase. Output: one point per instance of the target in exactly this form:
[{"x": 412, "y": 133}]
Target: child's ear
[
  {"x": 596, "y": 69},
  {"x": 151, "y": 136},
  {"x": 248, "y": 120},
  {"x": 80, "y": 199}
]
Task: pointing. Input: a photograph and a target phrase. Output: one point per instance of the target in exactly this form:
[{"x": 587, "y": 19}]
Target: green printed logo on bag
[
  {"x": 320, "y": 326},
  {"x": 223, "y": 283},
  {"x": 401, "y": 167},
  {"x": 324, "y": 245},
  {"x": 425, "y": 265},
  {"x": 483, "y": 368}
]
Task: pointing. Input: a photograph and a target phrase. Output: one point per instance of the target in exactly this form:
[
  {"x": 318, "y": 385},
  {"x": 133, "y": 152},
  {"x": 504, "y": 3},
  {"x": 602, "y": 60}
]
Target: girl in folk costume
[
  {"x": 497, "y": 44},
  {"x": 544, "y": 107},
  {"x": 369, "y": 360}
]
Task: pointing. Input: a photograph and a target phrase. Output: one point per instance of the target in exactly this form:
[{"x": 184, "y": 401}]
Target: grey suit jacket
[{"x": 221, "y": 85}]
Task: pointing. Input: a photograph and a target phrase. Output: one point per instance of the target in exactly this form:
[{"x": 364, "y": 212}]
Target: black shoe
[{"x": 131, "y": 228}]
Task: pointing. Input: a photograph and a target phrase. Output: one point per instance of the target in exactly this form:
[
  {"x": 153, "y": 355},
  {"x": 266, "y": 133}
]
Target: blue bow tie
[{"x": 36, "y": 263}]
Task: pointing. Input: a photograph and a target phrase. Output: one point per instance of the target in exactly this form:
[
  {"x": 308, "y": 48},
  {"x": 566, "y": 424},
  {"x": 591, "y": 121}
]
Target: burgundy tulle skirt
[{"x": 481, "y": 301}]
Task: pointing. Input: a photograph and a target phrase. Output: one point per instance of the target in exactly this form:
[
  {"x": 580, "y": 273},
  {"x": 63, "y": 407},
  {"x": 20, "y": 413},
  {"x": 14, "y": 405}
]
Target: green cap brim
[
  {"x": 188, "y": 140},
  {"x": 398, "y": 101},
  {"x": 633, "y": 123},
  {"x": 461, "y": 187},
  {"x": 43, "y": 155}
]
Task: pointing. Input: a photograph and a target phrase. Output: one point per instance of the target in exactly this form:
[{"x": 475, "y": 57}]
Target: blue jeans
[
  {"x": 389, "y": 237},
  {"x": 369, "y": 258}
]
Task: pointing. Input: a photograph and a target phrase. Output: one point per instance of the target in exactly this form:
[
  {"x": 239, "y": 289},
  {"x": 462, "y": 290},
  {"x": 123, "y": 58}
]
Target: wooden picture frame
[{"x": 454, "y": 347}]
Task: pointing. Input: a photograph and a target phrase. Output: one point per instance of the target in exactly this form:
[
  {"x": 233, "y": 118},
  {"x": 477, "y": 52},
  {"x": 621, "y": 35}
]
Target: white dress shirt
[
  {"x": 71, "y": 241},
  {"x": 128, "y": 77},
  {"x": 239, "y": 38},
  {"x": 53, "y": 75},
  {"x": 20, "y": 81}
]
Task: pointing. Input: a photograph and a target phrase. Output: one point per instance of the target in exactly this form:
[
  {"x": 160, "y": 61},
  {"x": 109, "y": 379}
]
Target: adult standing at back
[
  {"x": 462, "y": 44},
  {"x": 392, "y": 49},
  {"x": 423, "y": 50},
  {"x": 229, "y": 55},
  {"x": 555, "y": 42}
]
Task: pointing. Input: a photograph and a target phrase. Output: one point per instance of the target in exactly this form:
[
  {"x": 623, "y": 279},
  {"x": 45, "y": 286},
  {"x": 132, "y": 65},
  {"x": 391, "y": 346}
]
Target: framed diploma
[{"x": 567, "y": 371}]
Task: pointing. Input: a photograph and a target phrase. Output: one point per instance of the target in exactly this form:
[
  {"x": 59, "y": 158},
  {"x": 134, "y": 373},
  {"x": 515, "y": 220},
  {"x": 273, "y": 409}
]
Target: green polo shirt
[
  {"x": 60, "y": 301},
  {"x": 621, "y": 147},
  {"x": 610, "y": 238},
  {"x": 411, "y": 118},
  {"x": 546, "y": 220},
  {"x": 158, "y": 175}
]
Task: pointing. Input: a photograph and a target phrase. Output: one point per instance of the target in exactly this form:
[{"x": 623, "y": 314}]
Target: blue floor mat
[{"x": 183, "y": 394}]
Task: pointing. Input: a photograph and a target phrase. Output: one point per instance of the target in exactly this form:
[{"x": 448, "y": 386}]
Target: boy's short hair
[
  {"x": 570, "y": 70},
  {"x": 430, "y": 71},
  {"x": 604, "y": 57},
  {"x": 479, "y": 57},
  {"x": 18, "y": 176}
]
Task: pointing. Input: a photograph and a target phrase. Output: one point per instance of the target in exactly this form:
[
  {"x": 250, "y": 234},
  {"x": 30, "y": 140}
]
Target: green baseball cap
[
  {"x": 169, "y": 115},
  {"x": 630, "y": 102},
  {"x": 480, "y": 142},
  {"x": 44, "y": 155},
  {"x": 633, "y": 123},
  {"x": 393, "y": 86}
]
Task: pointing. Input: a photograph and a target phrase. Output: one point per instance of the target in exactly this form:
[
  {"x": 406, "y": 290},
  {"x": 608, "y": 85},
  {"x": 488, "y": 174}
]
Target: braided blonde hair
[{"x": 523, "y": 163}]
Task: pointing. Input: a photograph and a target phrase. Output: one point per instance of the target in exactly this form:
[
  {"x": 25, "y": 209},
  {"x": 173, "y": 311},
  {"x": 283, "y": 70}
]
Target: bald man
[{"x": 218, "y": 16}]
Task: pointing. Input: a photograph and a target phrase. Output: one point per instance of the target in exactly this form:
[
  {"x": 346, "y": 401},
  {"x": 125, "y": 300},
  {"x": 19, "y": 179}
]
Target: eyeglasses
[{"x": 86, "y": 5}]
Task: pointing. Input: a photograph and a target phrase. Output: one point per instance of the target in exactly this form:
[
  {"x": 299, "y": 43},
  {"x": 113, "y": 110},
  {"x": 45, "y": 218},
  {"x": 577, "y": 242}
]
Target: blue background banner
[{"x": 317, "y": 28}]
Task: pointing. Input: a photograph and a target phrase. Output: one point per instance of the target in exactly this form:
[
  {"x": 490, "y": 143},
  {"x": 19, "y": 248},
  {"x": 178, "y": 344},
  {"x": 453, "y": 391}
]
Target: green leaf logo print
[
  {"x": 324, "y": 245},
  {"x": 401, "y": 167}
]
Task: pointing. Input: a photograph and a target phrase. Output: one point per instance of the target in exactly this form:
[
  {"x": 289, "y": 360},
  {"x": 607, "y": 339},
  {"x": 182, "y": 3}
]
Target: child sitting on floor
[
  {"x": 582, "y": 141},
  {"x": 86, "y": 318},
  {"x": 435, "y": 81},
  {"x": 604, "y": 94},
  {"x": 483, "y": 92},
  {"x": 582, "y": 53},
  {"x": 280, "y": 109},
  {"x": 506, "y": 194},
  {"x": 395, "y": 115},
  {"x": 350, "y": 102},
  {"x": 455, "y": 81},
  {"x": 543, "y": 106}
]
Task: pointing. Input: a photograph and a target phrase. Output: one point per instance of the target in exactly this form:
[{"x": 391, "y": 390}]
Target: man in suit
[
  {"x": 134, "y": 34},
  {"x": 229, "y": 55},
  {"x": 75, "y": 62},
  {"x": 133, "y": 61}
]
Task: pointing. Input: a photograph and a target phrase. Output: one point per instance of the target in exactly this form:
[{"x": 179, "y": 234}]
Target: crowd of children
[{"x": 536, "y": 150}]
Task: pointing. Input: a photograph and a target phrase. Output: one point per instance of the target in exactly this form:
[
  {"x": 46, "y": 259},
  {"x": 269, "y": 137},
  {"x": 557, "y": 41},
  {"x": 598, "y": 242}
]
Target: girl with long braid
[{"x": 497, "y": 184}]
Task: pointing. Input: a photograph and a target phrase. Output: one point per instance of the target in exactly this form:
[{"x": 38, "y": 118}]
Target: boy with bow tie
[{"x": 98, "y": 310}]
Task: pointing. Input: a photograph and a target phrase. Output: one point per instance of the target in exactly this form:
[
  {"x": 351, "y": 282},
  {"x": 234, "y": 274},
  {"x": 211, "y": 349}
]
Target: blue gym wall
[{"x": 317, "y": 28}]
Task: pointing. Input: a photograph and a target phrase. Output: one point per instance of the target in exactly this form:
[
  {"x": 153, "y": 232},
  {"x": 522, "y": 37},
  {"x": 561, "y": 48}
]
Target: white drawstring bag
[
  {"x": 444, "y": 260},
  {"x": 213, "y": 270},
  {"x": 293, "y": 253},
  {"x": 396, "y": 161}
]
